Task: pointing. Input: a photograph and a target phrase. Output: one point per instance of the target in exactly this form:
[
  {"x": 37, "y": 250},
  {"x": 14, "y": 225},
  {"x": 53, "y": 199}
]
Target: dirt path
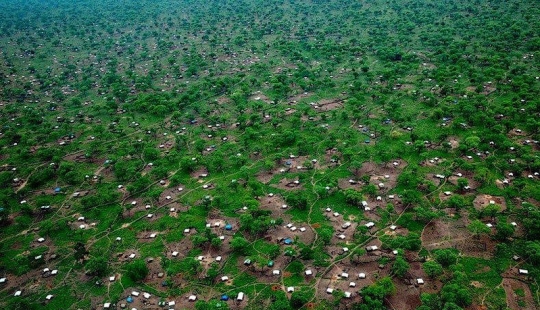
[
  {"x": 518, "y": 294},
  {"x": 28, "y": 178},
  {"x": 98, "y": 171},
  {"x": 375, "y": 235},
  {"x": 123, "y": 200}
]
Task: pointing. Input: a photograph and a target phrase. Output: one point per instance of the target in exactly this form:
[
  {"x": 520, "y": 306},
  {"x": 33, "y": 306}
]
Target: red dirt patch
[
  {"x": 289, "y": 184},
  {"x": 482, "y": 201},
  {"x": 273, "y": 203},
  {"x": 328, "y": 105},
  {"x": 513, "y": 300},
  {"x": 407, "y": 298}
]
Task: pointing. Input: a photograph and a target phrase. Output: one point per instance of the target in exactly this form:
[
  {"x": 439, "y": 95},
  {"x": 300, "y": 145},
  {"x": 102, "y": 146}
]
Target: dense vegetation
[{"x": 130, "y": 127}]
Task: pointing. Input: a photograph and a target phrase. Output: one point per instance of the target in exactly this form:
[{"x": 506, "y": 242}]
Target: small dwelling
[
  {"x": 523, "y": 271},
  {"x": 372, "y": 248},
  {"x": 240, "y": 296}
]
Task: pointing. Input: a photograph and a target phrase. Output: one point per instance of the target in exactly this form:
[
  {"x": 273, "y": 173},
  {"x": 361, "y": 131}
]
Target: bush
[
  {"x": 97, "y": 266},
  {"x": 137, "y": 270},
  {"x": 432, "y": 269},
  {"x": 446, "y": 257}
]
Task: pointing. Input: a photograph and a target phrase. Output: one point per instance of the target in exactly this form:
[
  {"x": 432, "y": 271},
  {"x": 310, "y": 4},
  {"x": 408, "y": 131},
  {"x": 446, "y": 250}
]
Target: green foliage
[
  {"x": 504, "y": 231},
  {"x": 373, "y": 295},
  {"x": 325, "y": 234},
  {"x": 456, "y": 201},
  {"x": 531, "y": 222},
  {"x": 353, "y": 197},
  {"x": 281, "y": 302},
  {"x": 410, "y": 242},
  {"x": 446, "y": 257},
  {"x": 400, "y": 267},
  {"x": 137, "y": 270},
  {"x": 306, "y": 252},
  {"x": 41, "y": 177},
  {"x": 97, "y": 265},
  {"x": 478, "y": 228},
  {"x": 240, "y": 245},
  {"x": 300, "y": 298},
  {"x": 457, "y": 294},
  {"x": 532, "y": 251},
  {"x": 298, "y": 201},
  {"x": 425, "y": 214},
  {"x": 432, "y": 269},
  {"x": 88, "y": 103},
  {"x": 256, "y": 222}
]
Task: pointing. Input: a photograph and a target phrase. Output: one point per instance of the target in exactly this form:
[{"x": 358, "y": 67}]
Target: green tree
[
  {"x": 80, "y": 251},
  {"x": 456, "y": 201},
  {"x": 425, "y": 214},
  {"x": 373, "y": 295},
  {"x": 353, "y": 197},
  {"x": 306, "y": 252},
  {"x": 446, "y": 257},
  {"x": 532, "y": 251},
  {"x": 400, "y": 267},
  {"x": 455, "y": 293},
  {"x": 478, "y": 228},
  {"x": 472, "y": 142},
  {"x": 298, "y": 201},
  {"x": 280, "y": 302},
  {"x": 430, "y": 301},
  {"x": 97, "y": 266},
  {"x": 240, "y": 245},
  {"x": 504, "y": 231},
  {"x": 199, "y": 240},
  {"x": 451, "y": 306},
  {"x": 432, "y": 269},
  {"x": 462, "y": 183},
  {"x": 137, "y": 270},
  {"x": 299, "y": 299},
  {"x": 325, "y": 234},
  {"x": 491, "y": 210}
]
